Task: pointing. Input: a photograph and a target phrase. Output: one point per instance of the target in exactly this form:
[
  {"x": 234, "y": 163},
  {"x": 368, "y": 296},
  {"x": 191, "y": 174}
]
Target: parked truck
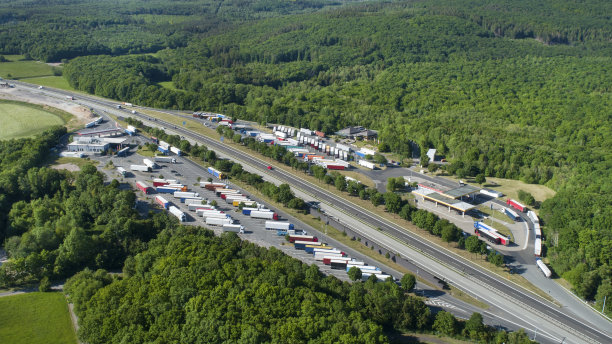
[
  {"x": 278, "y": 225},
  {"x": 233, "y": 228},
  {"x": 162, "y": 201},
  {"x": 121, "y": 171},
  {"x": 142, "y": 186},
  {"x": 293, "y": 238},
  {"x": 214, "y": 221},
  {"x": 165, "y": 159},
  {"x": 183, "y": 194},
  {"x": 149, "y": 163},
  {"x": 178, "y": 213},
  {"x": 367, "y": 164},
  {"x": 140, "y": 168},
  {"x": 270, "y": 215},
  {"x": 175, "y": 150},
  {"x": 216, "y": 173}
]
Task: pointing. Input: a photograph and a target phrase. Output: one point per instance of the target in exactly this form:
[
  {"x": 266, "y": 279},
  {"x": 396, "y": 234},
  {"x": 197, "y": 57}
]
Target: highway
[{"x": 581, "y": 331}]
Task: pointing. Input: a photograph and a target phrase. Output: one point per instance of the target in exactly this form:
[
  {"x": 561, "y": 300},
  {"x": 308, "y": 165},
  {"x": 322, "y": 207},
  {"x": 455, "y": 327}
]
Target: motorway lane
[
  {"x": 457, "y": 263},
  {"x": 398, "y": 232}
]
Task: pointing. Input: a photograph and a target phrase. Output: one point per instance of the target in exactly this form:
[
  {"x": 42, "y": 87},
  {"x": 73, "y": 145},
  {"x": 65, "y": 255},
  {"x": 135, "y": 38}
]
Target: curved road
[{"x": 470, "y": 271}]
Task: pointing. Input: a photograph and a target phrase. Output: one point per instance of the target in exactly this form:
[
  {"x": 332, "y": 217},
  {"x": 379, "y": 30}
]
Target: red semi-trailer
[
  {"x": 516, "y": 205},
  {"x": 142, "y": 187}
]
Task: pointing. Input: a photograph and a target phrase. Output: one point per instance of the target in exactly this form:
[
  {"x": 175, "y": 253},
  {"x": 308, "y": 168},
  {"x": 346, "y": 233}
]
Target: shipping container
[
  {"x": 236, "y": 203},
  {"x": 164, "y": 189},
  {"x": 196, "y": 206}
]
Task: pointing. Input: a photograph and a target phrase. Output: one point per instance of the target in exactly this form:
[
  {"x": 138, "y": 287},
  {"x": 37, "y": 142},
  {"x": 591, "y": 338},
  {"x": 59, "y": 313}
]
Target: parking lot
[{"x": 187, "y": 173}]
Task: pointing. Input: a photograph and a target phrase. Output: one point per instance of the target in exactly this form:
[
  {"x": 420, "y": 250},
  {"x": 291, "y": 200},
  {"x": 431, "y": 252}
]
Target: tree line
[{"x": 192, "y": 286}]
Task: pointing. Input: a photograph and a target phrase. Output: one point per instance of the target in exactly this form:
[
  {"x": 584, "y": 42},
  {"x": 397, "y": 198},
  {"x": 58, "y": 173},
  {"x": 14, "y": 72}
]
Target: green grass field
[
  {"x": 35, "y": 318},
  {"x": 24, "y": 69},
  {"x": 23, "y": 120},
  {"x": 169, "y": 85},
  {"x": 50, "y": 81}
]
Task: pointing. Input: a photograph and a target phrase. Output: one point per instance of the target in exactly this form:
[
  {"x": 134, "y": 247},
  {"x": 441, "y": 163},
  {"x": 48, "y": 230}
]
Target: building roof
[
  {"x": 442, "y": 199},
  {"x": 461, "y": 191},
  {"x": 356, "y": 131}
]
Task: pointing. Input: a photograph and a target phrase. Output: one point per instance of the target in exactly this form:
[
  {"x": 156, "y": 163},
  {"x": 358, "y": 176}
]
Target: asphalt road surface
[{"x": 577, "y": 330}]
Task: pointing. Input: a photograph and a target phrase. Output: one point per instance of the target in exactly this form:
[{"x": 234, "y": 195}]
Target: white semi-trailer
[
  {"x": 149, "y": 163},
  {"x": 178, "y": 213},
  {"x": 233, "y": 228},
  {"x": 140, "y": 168},
  {"x": 214, "y": 221},
  {"x": 367, "y": 164},
  {"x": 278, "y": 225},
  {"x": 165, "y": 159},
  {"x": 182, "y": 194}
]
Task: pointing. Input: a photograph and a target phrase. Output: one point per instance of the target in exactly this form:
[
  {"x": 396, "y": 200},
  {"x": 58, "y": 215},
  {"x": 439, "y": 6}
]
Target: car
[
  {"x": 40, "y": 87},
  {"x": 269, "y": 167}
]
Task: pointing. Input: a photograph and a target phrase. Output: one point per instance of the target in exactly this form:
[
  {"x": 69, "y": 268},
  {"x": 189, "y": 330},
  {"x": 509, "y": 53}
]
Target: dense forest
[
  {"x": 190, "y": 286},
  {"x": 184, "y": 284},
  {"x": 509, "y": 88},
  {"x": 56, "y": 222}
]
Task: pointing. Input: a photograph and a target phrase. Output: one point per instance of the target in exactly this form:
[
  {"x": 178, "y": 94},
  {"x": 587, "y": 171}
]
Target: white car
[{"x": 40, "y": 87}]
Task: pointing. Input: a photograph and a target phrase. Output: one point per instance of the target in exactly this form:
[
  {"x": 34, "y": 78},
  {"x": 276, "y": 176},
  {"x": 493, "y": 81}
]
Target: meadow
[
  {"x": 35, "y": 318},
  {"x": 23, "y": 120}
]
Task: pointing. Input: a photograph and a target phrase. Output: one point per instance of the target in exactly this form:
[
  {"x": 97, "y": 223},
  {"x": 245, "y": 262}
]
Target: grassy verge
[
  {"x": 341, "y": 236},
  {"x": 25, "y": 120},
  {"x": 421, "y": 338},
  {"x": 24, "y": 69},
  {"x": 35, "y": 318},
  {"x": 75, "y": 161},
  {"x": 50, "y": 81},
  {"x": 393, "y": 218},
  {"x": 360, "y": 177},
  {"x": 510, "y": 187},
  {"x": 144, "y": 151},
  {"x": 495, "y": 214},
  {"x": 501, "y": 228}
]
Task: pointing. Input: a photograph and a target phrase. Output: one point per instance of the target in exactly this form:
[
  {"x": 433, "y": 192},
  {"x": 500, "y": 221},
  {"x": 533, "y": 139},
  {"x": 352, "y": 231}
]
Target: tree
[
  {"x": 354, "y": 273},
  {"x": 474, "y": 327},
  {"x": 445, "y": 323},
  {"x": 433, "y": 167},
  {"x": 391, "y": 184},
  {"x": 472, "y": 244},
  {"x": 45, "y": 284},
  {"x": 383, "y": 147},
  {"x": 495, "y": 258},
  {"x": 376, "y": 198},
  {"x": 480, "y": 179},
  {"x": 380, "y": 159},
  {"x": 393, "y": 202},
  {"x": 285, "y": 195},
  {"x": 526, "y": 197},
  {"x": 340, "y": 183},
  {"x": 424, "y": 160},
  {"x": 408, "y": 282}
]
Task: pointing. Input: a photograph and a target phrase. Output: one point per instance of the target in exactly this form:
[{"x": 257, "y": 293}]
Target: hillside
[{"x": 509, "y": 89}]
